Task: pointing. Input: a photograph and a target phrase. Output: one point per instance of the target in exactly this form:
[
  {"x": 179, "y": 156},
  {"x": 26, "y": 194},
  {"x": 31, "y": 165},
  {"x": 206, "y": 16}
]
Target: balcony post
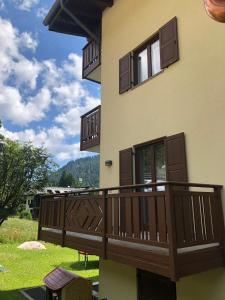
[
  {"x": 63, "y": 217},
  {"x": 217, "y": 191},
  {"x": 104, "y": 237},
  {"x": 171, "y": 227}
]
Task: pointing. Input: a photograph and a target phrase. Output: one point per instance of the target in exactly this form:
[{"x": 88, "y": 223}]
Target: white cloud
[
  {"x": 2, "y": 5},
  {"x": 53, "y": 139},
  {"x": 12, "y": 107},
  {"x": 18, "y": 75},
  {"x": 30, "y": 88},
  {"x": 26, "y": 41},
  {"x": 70, "y": 120},
  {"x": 26, "y": 5},
  {"x": 74, "y": 66},
  {"x": 42, "y": 12}
]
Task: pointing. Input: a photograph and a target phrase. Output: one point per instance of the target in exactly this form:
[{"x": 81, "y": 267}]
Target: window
[
  {"x": 147, "y": 61},
  {"x": 156, "y": 54}
]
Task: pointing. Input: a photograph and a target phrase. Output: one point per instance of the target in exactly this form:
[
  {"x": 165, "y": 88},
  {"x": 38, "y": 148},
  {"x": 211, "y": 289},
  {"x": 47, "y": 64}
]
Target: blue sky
[{"x": 42, "y": 94}]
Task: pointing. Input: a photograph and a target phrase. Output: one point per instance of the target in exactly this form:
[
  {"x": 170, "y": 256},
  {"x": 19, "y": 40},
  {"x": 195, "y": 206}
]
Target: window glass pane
[
  {"x": 160, "y": 165},
  {"x": 145, "y": 165},
  {"x": 142, "y": 66},
  {"x": 155, "y": 57}
]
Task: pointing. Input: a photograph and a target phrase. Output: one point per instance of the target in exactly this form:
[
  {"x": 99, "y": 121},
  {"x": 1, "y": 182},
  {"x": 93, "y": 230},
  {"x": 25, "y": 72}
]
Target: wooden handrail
[
  {"x": 137, "y": 186},
  {"x": 91, "y": 111}
]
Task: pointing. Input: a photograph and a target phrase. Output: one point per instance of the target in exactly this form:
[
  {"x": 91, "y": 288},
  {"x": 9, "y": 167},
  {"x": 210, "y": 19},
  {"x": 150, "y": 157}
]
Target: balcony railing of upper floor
[
  {"x": 90, "y": 129},
  {"x": 171, "y": 229},
  {"x": 92, "y": 61}
]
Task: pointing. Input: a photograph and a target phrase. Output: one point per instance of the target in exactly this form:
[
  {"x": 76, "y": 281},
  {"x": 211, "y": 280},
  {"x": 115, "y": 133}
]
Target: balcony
[
  {"x": 171, "y": 229},
  {"x": 92, "y": 62},
  {"x": 90, "y": 130}
]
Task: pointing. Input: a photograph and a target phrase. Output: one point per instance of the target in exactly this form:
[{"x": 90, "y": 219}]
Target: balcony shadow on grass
[{"x": 80, "y": 265}]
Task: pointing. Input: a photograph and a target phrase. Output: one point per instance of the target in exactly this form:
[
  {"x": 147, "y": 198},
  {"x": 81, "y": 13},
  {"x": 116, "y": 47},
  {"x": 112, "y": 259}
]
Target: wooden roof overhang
[{"x": 77, "y": 17}]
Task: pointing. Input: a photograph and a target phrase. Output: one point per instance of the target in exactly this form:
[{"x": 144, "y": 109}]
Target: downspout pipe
[
  {"x": 78, "y": 22},
  {"x": 216, "y": 9}
]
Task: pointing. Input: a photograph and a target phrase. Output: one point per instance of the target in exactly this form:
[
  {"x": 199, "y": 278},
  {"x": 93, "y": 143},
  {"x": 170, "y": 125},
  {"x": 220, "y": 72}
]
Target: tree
[
  {"x": 23, "y": 168},
  {"x": 66, "y": 179}
]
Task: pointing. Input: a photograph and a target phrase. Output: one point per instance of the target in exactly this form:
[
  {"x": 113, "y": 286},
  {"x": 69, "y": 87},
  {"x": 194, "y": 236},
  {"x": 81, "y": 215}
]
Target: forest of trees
[{"x": 83, "y": 172}]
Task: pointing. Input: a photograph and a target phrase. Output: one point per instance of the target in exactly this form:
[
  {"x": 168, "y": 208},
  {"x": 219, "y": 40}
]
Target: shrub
[{"x": 25, "y": 214}]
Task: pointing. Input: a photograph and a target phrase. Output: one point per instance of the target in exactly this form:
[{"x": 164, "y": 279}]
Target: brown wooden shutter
[
  {"x": 125, "y": 73},
  {"x": 176, "y": 158},
  {"x": 126, "y": 178},
  {"x": 126, "y": 167},
  {"x": 169, "y": 50}
]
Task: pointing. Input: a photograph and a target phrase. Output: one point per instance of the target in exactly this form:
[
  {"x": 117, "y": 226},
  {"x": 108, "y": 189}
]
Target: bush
[{"x": 25, "y": 214}]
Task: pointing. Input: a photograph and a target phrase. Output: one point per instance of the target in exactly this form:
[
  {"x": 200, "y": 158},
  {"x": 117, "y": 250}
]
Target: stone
[{"x": 33, "y": 245}]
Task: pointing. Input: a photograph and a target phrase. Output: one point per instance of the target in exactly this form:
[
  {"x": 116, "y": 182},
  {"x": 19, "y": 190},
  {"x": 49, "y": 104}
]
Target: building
[{"x": 160, "y": 127}]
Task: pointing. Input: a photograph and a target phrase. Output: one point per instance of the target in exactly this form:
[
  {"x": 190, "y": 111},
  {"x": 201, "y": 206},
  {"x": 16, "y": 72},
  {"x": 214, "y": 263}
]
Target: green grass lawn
[{"x": 27, "y": 268}]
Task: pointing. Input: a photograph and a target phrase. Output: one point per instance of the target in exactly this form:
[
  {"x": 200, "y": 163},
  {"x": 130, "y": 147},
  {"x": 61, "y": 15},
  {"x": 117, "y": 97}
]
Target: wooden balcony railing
[
  {"x": 172, "y": 229},
  {"x": 91, "y": 58},
  {"x": 90, "y": 129}
]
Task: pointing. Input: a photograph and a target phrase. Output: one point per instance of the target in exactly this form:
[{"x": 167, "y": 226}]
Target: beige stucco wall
[
  {"x": 117, "y": 281},
  {"x": 204, "y": 286},
  {"x": 187, "y": 97}
]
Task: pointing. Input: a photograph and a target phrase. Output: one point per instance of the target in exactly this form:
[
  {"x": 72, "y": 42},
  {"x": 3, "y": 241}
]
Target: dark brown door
[{"x": 155, "y": 287}]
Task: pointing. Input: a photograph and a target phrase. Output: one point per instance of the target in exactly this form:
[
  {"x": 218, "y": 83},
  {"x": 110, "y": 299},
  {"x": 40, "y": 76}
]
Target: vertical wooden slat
[
  {"x": 179, "y": 218},
  {"x": 215, "y": 217},
  {"x": 129, "y": 219},
  {"x": 40, "y": 220},
  {"x": 161, "y": 215},
  {"x": 208, "y": 220},
  {"x": 122, "y": 215},
  {"x": 109, "y": 215},
  {"x": 197, "y": 218},
  {"x": 136, "y": 217},
  {"x": 63, "y": 213},
  {"x": 188, "y": 219},
  {"x": 104, "y": 231},
  {"x": 116, "y": 215},
  {"x": 152, "y": 218}
]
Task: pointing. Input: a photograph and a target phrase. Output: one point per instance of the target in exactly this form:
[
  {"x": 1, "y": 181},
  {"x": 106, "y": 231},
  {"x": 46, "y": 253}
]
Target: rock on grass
[{"x": 33, "y": 245}]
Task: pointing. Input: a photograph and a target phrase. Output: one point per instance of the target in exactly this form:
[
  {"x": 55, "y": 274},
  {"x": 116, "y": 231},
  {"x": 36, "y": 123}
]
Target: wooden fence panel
[
  {"x": 196, "y": 218},
  {"x": 84, "y": 214}
]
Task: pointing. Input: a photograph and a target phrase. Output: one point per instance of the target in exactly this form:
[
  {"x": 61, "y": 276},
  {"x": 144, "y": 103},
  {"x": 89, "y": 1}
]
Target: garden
[{"x": 21, "y": 269}]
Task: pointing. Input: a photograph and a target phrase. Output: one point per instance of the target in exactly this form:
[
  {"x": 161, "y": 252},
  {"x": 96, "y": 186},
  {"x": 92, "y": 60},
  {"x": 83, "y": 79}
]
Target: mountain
[{"x": 86, "y": 168}]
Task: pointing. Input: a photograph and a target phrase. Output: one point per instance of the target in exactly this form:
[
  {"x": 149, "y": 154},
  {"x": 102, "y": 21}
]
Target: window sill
[{"x": 143, "y": 82}]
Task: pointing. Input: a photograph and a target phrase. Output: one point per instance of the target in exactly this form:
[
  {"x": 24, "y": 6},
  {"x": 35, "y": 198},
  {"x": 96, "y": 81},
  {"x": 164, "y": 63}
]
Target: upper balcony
[
  {"x": 171, "y": 229},
  {"x": 92, "y": 62},
  {"x": 90, "y": 130}
]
